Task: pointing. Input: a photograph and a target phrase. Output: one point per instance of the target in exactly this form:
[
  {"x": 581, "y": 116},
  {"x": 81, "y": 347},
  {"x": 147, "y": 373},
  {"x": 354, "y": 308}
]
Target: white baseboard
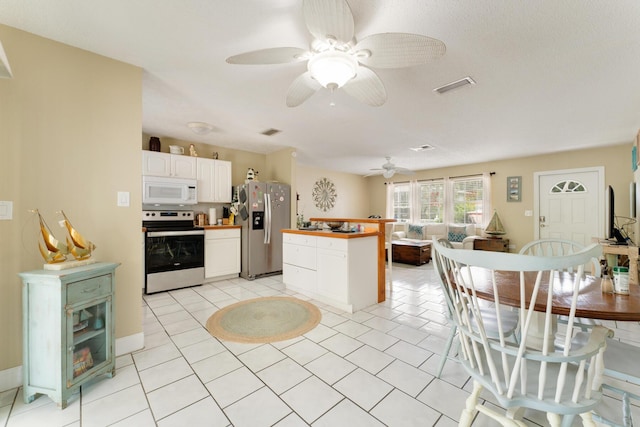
[{"x": 12, "y": 377}]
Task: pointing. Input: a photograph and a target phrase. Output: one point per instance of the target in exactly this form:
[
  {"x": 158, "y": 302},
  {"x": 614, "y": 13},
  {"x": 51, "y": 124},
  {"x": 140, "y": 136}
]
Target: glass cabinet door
[{"x": 88, "y": 339}]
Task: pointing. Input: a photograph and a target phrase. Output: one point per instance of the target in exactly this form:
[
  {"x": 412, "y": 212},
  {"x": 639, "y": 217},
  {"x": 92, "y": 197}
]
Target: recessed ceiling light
[
  {"x": 424, "y": 147},
  {"x": 200, "y": 128},
  {"x": 454, "y": 85}
]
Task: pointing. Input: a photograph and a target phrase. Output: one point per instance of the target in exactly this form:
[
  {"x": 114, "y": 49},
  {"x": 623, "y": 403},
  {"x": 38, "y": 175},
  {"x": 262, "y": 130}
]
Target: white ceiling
[{"x": 551, "y": 75}]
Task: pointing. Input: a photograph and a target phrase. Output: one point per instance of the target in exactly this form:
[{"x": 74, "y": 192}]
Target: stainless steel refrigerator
[{"x": 264, "y": 210}]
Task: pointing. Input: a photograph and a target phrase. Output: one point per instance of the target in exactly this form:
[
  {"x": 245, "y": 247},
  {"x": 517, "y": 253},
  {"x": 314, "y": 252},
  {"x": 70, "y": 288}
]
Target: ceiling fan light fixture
[
  {"x": 333, "y": 68},
  {"x": 200, "y": 128},
  {"x": 388, "y": 173}
]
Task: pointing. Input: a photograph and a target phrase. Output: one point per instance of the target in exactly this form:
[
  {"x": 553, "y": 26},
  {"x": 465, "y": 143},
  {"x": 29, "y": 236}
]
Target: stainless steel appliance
[
  {"x": 169, "y": 191},
  {"x": 264, "y": 210},
  {"x": 173, "y": 251}
]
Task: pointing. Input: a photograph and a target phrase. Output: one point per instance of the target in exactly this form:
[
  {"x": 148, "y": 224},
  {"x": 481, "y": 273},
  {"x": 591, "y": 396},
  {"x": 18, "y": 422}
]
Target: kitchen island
[
  {"x": 378, "y": 224},
  {"x": 339, "y": 269},
  {"x": 334, "y": 268}
]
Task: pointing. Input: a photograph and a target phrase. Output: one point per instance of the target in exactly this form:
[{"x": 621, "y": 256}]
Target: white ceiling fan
[
  {"x": 389, "y": 169},
  {"x": 337, "y": 60}
]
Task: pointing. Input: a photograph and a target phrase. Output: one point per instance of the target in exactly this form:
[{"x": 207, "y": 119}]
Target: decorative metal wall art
[{"x": 324, "y": 194}]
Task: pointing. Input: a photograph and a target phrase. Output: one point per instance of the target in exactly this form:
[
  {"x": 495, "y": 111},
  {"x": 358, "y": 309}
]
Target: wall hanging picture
[
  {"x": 514, "y": 189},
  {"x": 324, "y": 194}
]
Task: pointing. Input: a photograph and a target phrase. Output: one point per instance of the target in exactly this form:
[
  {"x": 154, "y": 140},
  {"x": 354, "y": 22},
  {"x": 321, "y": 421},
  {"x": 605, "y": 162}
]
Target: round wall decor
[{"x": 324, "y": 194}]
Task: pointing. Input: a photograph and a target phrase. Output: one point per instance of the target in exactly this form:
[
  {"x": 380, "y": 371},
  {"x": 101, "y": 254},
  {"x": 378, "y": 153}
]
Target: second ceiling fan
[
  {"x": 337, "y": 60},
  {"x": 389, "y": 169}
]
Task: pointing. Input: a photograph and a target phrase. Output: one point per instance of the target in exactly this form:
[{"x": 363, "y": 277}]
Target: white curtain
[
  {"x": 414, "y": 200},
  {"x": 448, "y": 201},
  {"x": 390, "y": 190},
  {"x": 486, "y": 199}
]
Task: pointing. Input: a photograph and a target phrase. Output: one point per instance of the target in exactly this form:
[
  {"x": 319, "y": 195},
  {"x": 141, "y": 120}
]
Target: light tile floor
[{"x": 374, "y": 367}]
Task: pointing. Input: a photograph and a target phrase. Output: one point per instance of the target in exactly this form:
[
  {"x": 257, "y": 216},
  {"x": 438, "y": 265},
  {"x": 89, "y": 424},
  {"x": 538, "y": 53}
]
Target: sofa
[{"x": 461, "y": 236}]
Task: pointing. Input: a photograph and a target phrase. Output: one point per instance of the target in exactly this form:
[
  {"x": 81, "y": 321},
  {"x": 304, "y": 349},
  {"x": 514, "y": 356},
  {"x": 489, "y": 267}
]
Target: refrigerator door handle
[{"x": 267, "y": 218}]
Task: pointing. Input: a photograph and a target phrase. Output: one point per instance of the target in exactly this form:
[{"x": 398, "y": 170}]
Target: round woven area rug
[{"x": 263, "y": 320}]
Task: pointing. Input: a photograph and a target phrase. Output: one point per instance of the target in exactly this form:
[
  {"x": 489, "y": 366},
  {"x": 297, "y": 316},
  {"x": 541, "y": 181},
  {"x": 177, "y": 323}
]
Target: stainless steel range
[{"x": 174, "y": 251}]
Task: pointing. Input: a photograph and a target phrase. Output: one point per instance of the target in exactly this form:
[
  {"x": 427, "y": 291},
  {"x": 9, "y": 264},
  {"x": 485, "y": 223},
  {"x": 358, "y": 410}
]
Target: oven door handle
[{"x": 175, "y": 233}]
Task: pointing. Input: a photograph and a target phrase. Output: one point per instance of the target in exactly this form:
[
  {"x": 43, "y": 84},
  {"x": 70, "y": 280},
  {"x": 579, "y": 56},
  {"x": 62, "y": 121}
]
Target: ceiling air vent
[
  {"x": 271, "y": 131},
  {"x": 424, "y": 147},
  {"x": 455, "y": 85}
]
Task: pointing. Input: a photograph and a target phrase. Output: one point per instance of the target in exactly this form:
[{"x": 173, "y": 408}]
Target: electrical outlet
[{"x": 123, "y": 198}]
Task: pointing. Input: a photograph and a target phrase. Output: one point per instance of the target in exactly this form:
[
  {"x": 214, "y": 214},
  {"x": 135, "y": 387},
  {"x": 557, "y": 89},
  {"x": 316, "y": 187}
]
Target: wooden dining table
[{"x": 592, "y": 302}]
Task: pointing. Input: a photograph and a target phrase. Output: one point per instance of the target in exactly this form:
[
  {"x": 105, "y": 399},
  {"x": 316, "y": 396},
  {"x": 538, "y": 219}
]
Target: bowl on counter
[{"x": 335, "y": 225}]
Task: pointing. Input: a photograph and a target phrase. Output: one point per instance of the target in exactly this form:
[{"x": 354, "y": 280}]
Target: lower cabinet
[
  {"x": 335, "y": 271},
  {"x": 221, "y": 253},
  {"x": 68, "y": 329}
]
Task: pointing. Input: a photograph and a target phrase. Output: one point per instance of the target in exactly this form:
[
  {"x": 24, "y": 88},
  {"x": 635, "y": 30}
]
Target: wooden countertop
[
  {"x": 329, "y": 233},
  {"x": 217, "y": 227}
]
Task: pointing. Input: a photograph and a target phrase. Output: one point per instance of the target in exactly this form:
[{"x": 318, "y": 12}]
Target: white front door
[{"x": 569, "y": 204}]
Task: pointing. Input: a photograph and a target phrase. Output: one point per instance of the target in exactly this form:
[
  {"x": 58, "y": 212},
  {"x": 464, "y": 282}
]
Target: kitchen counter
[
  {"x": 329, "y": 233},
  {"x": 334, "y": 268},
  {"x": 217, "y": 227},
  {"x": 379, "y": 223}
]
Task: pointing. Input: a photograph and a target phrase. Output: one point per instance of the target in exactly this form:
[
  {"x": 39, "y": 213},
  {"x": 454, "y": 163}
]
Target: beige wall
[
  {"x": 520, "y": 229},
  {"x": 70, "y": 127},
  {"x": 352, "y": 196}
]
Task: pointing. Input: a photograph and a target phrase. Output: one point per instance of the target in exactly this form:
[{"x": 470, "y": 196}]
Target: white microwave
[{"x": 169, "y": 191}]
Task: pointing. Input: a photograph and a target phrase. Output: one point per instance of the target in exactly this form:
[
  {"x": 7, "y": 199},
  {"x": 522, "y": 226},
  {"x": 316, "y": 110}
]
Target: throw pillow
[
  {"x": 415, "y": 231},
  {"x": 457, "y": 234}
]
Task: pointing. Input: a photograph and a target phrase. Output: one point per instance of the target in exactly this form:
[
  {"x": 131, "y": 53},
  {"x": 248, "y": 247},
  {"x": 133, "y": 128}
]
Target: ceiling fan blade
[
  {"x": 328, "y": 19},
  {"x": 397, "y": 50},
  {"x": 366, "y": 87},
  {"x": 274, "y": 55},
  {"x": 301, "y": 89}
]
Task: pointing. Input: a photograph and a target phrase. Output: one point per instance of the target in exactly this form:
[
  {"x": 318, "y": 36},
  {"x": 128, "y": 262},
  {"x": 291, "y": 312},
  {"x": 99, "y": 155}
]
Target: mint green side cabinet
[{"x": 68, "y": 329}]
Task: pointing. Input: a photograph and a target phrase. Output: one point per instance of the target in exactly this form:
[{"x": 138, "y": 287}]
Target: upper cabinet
[
  {"x": 214, "y": 180},
  {"x": 164, "y": 164}
]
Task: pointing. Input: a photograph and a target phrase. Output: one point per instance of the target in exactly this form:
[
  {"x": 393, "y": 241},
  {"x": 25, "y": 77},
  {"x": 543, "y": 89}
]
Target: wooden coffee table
[{"x": 416, "y": 253}]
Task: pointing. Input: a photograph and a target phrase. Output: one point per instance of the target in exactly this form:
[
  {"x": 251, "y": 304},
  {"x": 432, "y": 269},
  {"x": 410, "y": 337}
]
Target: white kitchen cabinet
[
  {"x": 299, "y": 262},
  {"x": 222, "y": 253},
  {"x": 337, "y": 271},
  {"x": 333, "y": 272},
  {"x": 214, "y": 180},
  {"x": 155, "y": 163}
]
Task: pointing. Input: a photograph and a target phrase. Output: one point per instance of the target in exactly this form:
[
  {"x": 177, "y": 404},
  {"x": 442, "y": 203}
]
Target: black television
[{"x": 612, "y": 231}]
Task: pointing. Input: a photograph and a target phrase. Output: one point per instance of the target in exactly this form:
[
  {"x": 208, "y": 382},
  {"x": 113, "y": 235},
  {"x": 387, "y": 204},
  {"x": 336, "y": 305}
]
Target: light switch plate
[
  {"x": 528, "y": 213},
  {"x": 123, "y": 198},
  {"x": 6, "y": 210}
]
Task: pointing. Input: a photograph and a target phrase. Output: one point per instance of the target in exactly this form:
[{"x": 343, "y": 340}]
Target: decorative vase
[{"x": 154, "y": 143}]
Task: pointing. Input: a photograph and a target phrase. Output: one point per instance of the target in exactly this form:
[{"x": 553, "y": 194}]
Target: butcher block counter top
[
  {"x": 329, "y": 233},
  {"x": 217, "y": 227}
]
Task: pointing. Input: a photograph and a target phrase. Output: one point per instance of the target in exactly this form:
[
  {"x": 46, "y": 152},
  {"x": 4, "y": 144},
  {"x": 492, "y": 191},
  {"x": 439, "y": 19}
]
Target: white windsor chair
[
  {"x": 509, "y": 317},
  {"x": 563, "y": 383},
  {"x": 560, "y": 247}
]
